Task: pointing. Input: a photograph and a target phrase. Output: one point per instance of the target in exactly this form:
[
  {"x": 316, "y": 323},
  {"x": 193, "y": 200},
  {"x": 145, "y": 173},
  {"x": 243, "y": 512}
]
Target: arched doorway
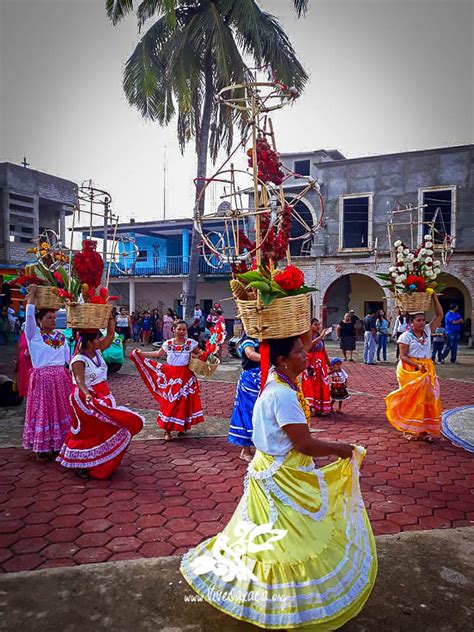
[
  {"x": 456, "y": 292},
  {"x": 351, "y": 291}
]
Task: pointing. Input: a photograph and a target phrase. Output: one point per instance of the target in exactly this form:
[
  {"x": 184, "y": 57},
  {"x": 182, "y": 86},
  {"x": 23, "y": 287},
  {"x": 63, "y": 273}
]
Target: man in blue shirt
[{"x": 452, "y": 324}]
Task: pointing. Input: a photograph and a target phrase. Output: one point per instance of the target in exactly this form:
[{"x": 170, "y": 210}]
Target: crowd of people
[{"x": 149, "y": 326}]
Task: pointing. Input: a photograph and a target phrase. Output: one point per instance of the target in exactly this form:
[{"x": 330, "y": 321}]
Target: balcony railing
[{"x": 169, "y": 266}]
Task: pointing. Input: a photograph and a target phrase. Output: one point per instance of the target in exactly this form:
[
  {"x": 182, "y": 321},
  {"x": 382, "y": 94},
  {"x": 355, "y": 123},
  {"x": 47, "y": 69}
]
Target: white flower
[
  {"x": 411, "y": 256},
  {"x": 429, "y": 244},
  {"x": 398, "y": 279},
  {"x": 422, "y": 251},
  {"x": 400, "y": 257},
  {"x": 427, "y": 238},
  {"x": 400, "y": 249},
  {"x": 428, "y": 260},
  {"x": 392, "y": 269},
  {"x": 402, "y": 269},
  {"x": 437, "y": 264},
  {"x": 406, "y": 251},
  {"x": 429, "y": 252},
  {"x": 397, "y": 243}
]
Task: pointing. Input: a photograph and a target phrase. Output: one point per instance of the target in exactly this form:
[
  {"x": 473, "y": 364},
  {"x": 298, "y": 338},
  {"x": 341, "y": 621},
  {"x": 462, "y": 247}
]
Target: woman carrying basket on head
[
  {"x": 48, "y": 415},
  {"x": 415, "y": 407},
  {"x": 101, "y": 431},
  {"x": 173, "y": 384},
  {"x": 299, "y": 550}
]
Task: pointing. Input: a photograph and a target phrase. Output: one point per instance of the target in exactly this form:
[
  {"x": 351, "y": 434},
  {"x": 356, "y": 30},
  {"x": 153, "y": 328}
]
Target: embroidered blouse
[
  {"x": 339, "y": 377},
  {"x": 417, "y": 348},
  {"x": 178, "y": 355},
  {"x": 48, "y": 350},
  {"x": 95, "y": 370}
]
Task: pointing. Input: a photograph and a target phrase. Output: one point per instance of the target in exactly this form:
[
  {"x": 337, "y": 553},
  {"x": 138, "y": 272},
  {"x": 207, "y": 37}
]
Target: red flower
[
  {"x": 413, "y": 279},
  {"x": 291, "y": 278},
  {"x": 65, "y": 294}
]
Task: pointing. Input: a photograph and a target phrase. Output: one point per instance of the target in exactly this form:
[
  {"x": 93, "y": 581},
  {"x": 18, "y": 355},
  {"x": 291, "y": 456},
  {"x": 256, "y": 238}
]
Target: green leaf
[
  {"x": 384, "y": 277},
  {"x": 267, "y": 298},
  {"x": 45, "y": 274},
  {"x": 263, "y": 286},
  {"x": 251, "y": 275}
]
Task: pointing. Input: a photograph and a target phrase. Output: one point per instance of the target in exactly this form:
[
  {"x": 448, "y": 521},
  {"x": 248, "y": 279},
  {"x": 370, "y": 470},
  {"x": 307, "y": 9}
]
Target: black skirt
[
  {"x": 348, "y": 343},
  {"x": 125, "y": 332}
]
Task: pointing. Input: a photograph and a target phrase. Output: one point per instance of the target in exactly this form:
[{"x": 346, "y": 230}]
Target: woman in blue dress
[{"x": 248, "y": 388}]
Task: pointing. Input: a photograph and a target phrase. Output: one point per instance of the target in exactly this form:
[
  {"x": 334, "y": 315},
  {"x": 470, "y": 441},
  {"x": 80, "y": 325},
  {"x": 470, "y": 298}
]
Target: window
[
  {"x": 302, "y": 167},
  {"x": 142, "y": 255},
  {"x": 355, "y": 222},
  {"x": 438, "y": 205}
]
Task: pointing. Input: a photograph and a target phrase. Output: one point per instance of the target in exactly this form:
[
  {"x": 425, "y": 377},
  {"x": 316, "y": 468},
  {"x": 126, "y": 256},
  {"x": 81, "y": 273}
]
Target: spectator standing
[
  {"x": 452, "y": 324},
  {"x": 194, "y": 332},
  {"x": 197, "y": 312},
  {"x": 370, "y": 335},
  {"x": 146, "y": 328},
  {"x": 123, "y": 326},
  {"x": 136, "y": 327},
  {"x": 168, "y": 320},
  {"x": 439, "y": 338},
  {"x": 382, "y": 325},
  {"x": 399, "y": 327},
  {"x": 354, "y": 317},
  {"x": 347, "y": 336},
  {"x": 158, "y": 333}
]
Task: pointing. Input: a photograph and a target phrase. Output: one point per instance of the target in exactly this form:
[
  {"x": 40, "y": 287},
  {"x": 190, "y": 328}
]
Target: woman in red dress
[
  {"x": 315, "y": 382},
  {"x": 173, "y": 384},
  {"x": 23, "y": 366},
  {"x": 100, "y": 431}
]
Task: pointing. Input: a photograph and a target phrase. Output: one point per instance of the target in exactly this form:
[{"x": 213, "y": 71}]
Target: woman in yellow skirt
[
  {"x": 415, "y": 407},
  {"x": 299, "y": 550}
]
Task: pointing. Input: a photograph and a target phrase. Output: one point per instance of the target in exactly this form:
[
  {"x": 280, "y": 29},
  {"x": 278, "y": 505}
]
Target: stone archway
[{"x": 357, "y": 290}]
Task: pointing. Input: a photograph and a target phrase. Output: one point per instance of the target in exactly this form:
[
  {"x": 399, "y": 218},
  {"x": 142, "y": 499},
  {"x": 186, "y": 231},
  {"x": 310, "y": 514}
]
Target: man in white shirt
[{"x": 197, "y": 312}]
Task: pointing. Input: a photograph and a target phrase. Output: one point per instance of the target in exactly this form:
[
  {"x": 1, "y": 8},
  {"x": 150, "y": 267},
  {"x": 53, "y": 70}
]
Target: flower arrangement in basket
[
  {"x": 50, "y": 284},
  {"x": 272, "y": 302},
  {"x": 88, "y": 303},
  {"x": 412, "y": 275}
]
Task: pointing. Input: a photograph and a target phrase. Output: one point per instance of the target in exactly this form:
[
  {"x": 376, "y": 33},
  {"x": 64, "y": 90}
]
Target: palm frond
[
  {"x": 301, "y": 7},
  {"x": 116, "y": 10},
  {"x": 149, "y": 8}
]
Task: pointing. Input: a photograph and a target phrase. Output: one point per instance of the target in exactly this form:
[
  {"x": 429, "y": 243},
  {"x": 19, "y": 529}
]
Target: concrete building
[
  {"x": 30, "y": 202},
  {"x": 352, "y": 245}
]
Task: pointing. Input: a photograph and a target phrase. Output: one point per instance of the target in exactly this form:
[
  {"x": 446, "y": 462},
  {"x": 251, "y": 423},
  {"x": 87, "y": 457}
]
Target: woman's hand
[
  {"x": 343, "y": 450},
  {"x": 30, "y": 297}
]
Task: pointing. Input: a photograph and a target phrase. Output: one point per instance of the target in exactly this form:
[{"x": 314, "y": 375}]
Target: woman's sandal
[
  {"x": 42, "y": 457},
  {"x": 168, "y": 437},
  {"x": 245, "y": 457}
]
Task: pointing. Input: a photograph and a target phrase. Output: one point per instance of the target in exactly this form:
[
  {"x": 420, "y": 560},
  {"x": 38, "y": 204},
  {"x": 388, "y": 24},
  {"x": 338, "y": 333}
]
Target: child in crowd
[
  {"x": 439, "y": 338},
  {"x": 338, "y": 378},
  {"x": 146, "y": 329}
]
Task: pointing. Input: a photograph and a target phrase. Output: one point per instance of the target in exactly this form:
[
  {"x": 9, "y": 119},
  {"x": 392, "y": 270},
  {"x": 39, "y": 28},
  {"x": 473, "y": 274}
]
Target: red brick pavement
[{"x": 168, "y": 497}]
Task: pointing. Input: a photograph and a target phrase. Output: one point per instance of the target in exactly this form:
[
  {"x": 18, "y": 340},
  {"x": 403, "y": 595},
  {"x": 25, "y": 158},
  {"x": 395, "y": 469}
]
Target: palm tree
[{"x": 193, "y": 50}]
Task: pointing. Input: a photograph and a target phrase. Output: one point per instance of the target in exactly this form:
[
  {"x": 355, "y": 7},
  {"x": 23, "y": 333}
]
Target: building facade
[
  {"x": 352, "y": 245},
  {"x": 30, "y": 202}
]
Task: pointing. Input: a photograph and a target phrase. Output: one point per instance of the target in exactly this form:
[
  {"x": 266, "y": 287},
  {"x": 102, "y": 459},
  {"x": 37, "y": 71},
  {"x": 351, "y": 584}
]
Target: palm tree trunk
[{"x": 202, "y": 152}]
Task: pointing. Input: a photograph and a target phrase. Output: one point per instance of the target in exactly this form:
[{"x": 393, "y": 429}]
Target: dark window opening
[
  {"x": 355, "y": 233},
  {"x": 142, "y": 255},
  {"x": 303, "y": 167},
  {"x": 438, "y": 208},
  {"x": 302, "y": 220}
]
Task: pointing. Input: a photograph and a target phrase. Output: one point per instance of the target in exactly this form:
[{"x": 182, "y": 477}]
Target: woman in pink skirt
[{"x": 48, "y": 416}]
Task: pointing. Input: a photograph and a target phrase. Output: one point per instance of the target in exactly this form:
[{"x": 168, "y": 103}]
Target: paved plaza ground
[{"x": 167, "y": 497}]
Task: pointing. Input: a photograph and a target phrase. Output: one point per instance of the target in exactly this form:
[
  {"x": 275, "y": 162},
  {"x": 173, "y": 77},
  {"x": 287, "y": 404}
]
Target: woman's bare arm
[
  {"x": 406, "y": 358},
  {"x": 106, "y": 341},
  {"x": 251, "y": 354},
  {"x": 78, "y": 370},
  {"x": 436, "y": 322}
]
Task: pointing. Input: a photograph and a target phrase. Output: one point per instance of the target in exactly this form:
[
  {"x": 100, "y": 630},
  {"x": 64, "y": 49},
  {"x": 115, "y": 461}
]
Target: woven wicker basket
[
  {"x": 88, "y": 315},
  {"x": 204, "y": 369},
  {"x": 45, "y": 298},
  {"x": 413, "y": 303},
  {"x": 285, "y": 317}
]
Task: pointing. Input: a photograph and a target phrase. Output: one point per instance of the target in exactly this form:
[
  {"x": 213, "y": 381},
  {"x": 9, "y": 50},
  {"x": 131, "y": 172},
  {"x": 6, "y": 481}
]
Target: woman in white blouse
[
  {"x": 173, "y": 384},
  {"x": 101, "y": 431},
  {"x": 48, "y": 415},
  {"x": 415, "y": 407},
  {"x": 298, "y": 551}
]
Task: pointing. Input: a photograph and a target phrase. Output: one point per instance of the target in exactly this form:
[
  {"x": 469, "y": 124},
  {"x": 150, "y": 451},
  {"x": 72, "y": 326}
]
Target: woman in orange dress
[{"x": 415, "y": 407}]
